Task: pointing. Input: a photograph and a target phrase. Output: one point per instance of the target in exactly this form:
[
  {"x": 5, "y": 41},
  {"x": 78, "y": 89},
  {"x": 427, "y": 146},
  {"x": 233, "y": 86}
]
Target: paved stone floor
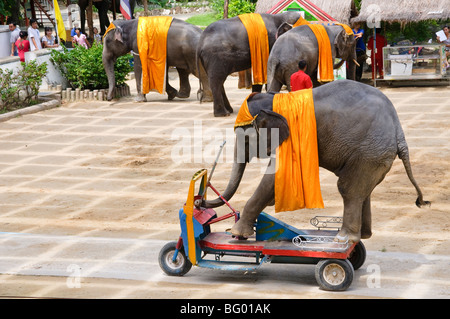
[{"x": 121, "y": 170}]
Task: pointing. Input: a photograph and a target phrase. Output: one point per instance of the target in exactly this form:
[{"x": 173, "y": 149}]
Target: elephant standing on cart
[{"x": 358, "y": 134}]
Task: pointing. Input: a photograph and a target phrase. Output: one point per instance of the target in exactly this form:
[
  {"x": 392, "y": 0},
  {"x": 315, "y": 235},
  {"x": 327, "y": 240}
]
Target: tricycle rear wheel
[
  {"x": 334, "y": 274},
  {"x": 178, "y": 267}
]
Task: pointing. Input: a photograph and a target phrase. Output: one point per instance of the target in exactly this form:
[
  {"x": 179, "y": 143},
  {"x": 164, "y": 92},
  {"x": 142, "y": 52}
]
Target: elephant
[
  {"x": 224, "y": 48},
  {"x": 358, "y": 134},
  {"x": 182, "y": 39},
  {"x": 300, "y": 43},
  {"x": 102, "y": 6}
]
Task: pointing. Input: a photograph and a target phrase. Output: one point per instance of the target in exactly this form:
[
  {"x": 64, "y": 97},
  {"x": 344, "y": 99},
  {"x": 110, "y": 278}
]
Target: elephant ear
[
  {"x": 285, "y": 27},
  {"x": 270, "y": 120},
  {"x": 118, "y": 34}
]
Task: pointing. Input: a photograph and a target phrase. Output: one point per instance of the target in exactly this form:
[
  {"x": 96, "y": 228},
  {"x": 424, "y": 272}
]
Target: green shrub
[
  {"x": 235, "y": 7},
  {"x": 83, "y": 68},
  {"x": 20, "y": 89}
]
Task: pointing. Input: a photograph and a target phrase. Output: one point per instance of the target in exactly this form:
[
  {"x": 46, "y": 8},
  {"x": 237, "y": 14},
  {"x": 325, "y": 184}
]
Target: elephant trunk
[
  {"x": 352, "y": 63},
  {"x": 235, "y": 179},
  {"x": 108, "y": 64}
]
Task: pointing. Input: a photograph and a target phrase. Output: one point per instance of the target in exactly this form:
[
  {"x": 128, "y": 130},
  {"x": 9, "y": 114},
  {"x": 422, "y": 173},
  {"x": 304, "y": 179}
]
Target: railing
[{"x": 41, "y": 5}]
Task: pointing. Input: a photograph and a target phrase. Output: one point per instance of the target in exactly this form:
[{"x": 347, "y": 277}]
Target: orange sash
[
  {"x": 297, "y": 183},
  {"x": 152, "y": 45},
  {"x": 258, "y": 41},
  {"x": 325, "y": 65}
]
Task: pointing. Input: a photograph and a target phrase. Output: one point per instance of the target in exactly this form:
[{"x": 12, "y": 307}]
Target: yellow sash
[
  {"x": 258, "y": 41},
  {"x": 325, "y": 65},
  {"x": 152, "y": 45},
  {"x": 244, "y": 116},
  {"x": 297, "y": 183},
  {"x": 111, "y": 27}
]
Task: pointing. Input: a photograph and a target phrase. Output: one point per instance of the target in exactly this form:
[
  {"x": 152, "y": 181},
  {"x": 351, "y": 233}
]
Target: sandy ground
[{"x": 121, "y": 170}]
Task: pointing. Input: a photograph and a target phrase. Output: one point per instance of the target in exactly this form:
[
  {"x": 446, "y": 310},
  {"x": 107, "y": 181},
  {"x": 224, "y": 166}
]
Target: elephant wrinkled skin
[
  {"x": 300, "y": 43},
  {"x": 223, "y": 49},
  {"x": 182, "y": 39},
  {"x": 359, "y": 135}
]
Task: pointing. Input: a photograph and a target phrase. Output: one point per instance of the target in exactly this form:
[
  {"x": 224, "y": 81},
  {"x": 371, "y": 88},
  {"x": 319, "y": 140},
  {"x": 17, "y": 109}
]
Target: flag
[
  {"x": 60, "y": 29},
  {"x": 125, "y": 8}
]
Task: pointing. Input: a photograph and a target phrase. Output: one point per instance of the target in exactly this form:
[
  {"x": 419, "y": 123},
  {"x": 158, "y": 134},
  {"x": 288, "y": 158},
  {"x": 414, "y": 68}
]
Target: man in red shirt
[{"x": 300, "y": 80}]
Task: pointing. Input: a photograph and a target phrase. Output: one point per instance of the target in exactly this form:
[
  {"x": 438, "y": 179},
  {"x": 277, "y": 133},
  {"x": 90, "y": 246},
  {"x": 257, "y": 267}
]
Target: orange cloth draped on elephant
[
  {"x": 152, "y": 45},
  {"x": 258, "y": 41},
  {"x": 325, "y": 65},
  {"x": 297, "y": 183}
]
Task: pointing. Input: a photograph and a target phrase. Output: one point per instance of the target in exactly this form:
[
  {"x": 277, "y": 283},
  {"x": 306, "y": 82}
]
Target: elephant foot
[
  {"x": 183, "y": 95},
  {"x": 241, "y": 229},
  {"x": 221, "y": 114},
  {"x": 344, "y": 236},
  {"x": 205, "y": 96},
  {"x": 171, "y": 95},
  {"x": 366, "y": 234},
  {"x": 140, "y": 98}
]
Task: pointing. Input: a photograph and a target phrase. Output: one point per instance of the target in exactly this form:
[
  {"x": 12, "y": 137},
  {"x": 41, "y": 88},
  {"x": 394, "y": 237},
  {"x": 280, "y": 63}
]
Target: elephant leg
[
  {"x": 219, "y": 96},
  {"x": 355, "y": 184},
  {"x": 205, "y": 93},
  {"x": 185, "y": 87},
  {"x": 366, "y": 223},
  {"x": 275, "y": 86},
  {"x": 171, "y": 91},
  {"x": 261, "y": 198},
  {"x": 257, "y": 88},
  {"x": 138, "y": 76},
  {"x": 351, "y": 225}
]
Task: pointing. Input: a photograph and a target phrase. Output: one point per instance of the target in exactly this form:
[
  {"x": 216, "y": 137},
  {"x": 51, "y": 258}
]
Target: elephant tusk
[{"x": 356, "y": 62}]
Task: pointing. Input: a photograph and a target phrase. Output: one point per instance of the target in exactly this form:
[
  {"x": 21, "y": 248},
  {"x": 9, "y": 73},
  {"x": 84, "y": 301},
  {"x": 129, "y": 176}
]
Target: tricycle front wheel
[
  {"x": 178, "y": 267},
  {"x": 334, "y": 274}
]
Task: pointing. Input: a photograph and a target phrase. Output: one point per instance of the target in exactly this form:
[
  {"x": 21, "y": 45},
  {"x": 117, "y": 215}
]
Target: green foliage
[
  {"x": 20, "y": 89},
  {"x": 161, "y": 3},
  {"x": 235, "y": 7},
  {"x": 83, "y": 68},
  {"x": 202, "y": 20}
]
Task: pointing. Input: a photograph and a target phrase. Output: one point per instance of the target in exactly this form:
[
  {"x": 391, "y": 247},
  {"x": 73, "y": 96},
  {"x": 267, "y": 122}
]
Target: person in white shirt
[
  {"x": 13, "y": 38},
  {"x": 34, "y": 36}
]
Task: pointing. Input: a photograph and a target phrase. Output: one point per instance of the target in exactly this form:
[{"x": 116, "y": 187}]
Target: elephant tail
[
  {"x": 197, "y": 62},
  {"x": 403, "y": 154}
]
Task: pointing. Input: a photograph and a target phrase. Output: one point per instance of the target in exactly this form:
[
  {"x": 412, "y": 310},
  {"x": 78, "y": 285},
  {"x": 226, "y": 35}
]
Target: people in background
[
  {"x": 22, "y": 45},
  {"x": 377, "y": 53},
  {"x": 34, "y": 36},
  {"x": 360, "y": 50},
  {"x": 97, "y": 36},
  {"x": 13, "y": 37},
  {"x": 49, "y": 40},
  {"x": 300, "y": 80},
  {"x": 446, "y": 42},
  {"x": 80, "y": 39},
  {"x": 72, "y": 32}
]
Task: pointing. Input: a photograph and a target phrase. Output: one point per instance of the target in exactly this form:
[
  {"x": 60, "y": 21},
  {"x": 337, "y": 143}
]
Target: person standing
[
  {"x": 80, "y": 39},
  {"x": 360, "y": 50},
  {"x": 34, "y": 35},
  {"x": 300, "y": 80},
  {"x": 23, "y": 45},
  {"x": 446, "y": 42},
  {"x": 13, "y": 37},
  {"x": 377, "y": 53}
]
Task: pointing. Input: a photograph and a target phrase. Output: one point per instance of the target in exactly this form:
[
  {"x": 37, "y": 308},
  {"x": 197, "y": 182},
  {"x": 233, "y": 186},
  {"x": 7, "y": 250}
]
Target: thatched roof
[
  {"x": 341, "y": 10},
  {"x": 404, "y": 10}
]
